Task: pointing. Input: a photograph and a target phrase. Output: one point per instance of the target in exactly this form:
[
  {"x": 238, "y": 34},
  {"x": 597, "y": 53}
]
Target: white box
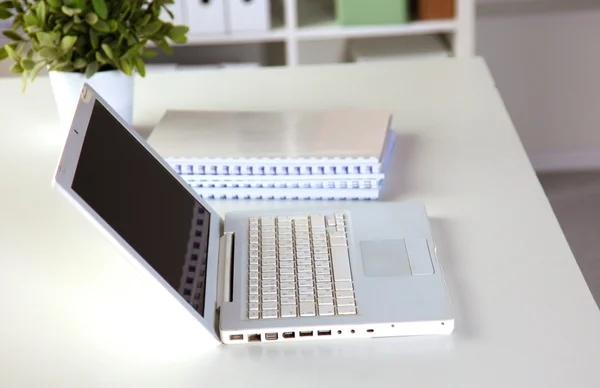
[
  {"x": 178, "y": 14},
  {"x": 248, "y": 15},
  {"x": 205, "y": 17}
]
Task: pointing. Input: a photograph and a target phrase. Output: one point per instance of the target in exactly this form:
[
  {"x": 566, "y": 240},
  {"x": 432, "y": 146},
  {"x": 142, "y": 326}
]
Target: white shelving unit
[{"x": 308, "y": 21}]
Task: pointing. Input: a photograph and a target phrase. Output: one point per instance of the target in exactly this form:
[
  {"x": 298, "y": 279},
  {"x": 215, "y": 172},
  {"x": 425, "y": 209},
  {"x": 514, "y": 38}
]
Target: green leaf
[
  {"x": 3, "y": 53},
  {"x": 47, "y": 38},
  {"x": 109, "y": 53},
  {"x": 132, "y": 51},
  {"x": 31, "y": 19},
  {"x": 100, "y": 8},
  {"x": 20, "y": 50},
  {"x": 63, "y": 66},
  {"x": 16, "y": 68},
  {"x": 177, "y": 34},
  {"x": 50, "y": 53},
  {"x": 101, "y": 26},
  {"x": 33, "y": 29},
  {"x": 36, "y": 70},
  {"x": 95, "y": 42},
  {"x": 67, "y": 27},
  {"x": 80, "y": 63},
  {"x": 77, "y": 19},
  {"x": 55, "y": 3},
  {"x": 140, "y": 66},
  {"x": 70, "y": 11},
  {"x": 24, "y": 82},
  {"x": 13, "y": 35},
  {"x": 143, "y": 21},
  {"x": 91, "y": 18},
  {"x": 149, "y": 54},
  {"x": 91, "y": 69},
  {"x": 67, "y": 43},
  {"x": 5, "y": 14},
  {"x": 126, "y": 67},
  {"x": 42, "y": 11},
  {"x": 169, "y": 12},
  {"x": 12, "y": 53},
  {"x": 27, "y": 64},
  {"x": 100, "y": 58},
  {"x": 151, "y": 28},
  {"x": 164, "y": 46}
]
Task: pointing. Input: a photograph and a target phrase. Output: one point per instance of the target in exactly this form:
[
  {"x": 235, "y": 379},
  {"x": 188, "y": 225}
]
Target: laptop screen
[{"x": 134, "y": 194}]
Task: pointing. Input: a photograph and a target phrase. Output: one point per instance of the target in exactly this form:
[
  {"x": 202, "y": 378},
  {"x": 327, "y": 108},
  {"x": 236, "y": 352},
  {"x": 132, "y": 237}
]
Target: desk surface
[{"x": 76, "y": 314}]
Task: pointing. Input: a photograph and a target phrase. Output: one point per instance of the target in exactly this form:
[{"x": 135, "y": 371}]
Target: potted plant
[{"x": 101, "y": 42}]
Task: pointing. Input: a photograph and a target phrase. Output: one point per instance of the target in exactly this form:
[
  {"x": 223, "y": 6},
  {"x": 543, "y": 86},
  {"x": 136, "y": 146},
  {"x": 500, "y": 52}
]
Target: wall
[{"x": 545, "y": 58}]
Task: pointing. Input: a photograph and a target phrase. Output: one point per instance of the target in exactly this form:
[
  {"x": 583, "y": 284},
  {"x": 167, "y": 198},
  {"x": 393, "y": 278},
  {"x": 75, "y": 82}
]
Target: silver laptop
[{"x": 342, "y": 270}]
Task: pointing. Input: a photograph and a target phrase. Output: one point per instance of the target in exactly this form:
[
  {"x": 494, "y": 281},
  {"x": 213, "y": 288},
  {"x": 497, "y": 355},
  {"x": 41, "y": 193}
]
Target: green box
[{"x": 369, "y": 12}]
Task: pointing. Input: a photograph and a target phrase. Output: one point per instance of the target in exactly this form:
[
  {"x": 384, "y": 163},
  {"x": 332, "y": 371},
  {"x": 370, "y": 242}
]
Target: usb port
[
  {"x": 324, "y": 332},
  {"x": 289, "y": 334},
  {"x": 271, "y": 336},
  {"x": 236, "y": 337},
  {"x": 306, "y": 333}
]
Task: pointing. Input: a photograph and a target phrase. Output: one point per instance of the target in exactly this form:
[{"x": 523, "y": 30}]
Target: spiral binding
[{"x": 275, "y": 166}]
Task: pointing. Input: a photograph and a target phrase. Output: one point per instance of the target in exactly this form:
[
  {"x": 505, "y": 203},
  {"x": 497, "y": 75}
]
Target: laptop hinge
[{"x": 225, "y": 275}]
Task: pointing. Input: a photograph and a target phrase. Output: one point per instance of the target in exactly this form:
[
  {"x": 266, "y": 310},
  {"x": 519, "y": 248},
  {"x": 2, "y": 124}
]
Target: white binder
[
  {"x": 205, "y": 17},
  {"x": 248, "y": 15},
  {"x": 178, "y": 14}
]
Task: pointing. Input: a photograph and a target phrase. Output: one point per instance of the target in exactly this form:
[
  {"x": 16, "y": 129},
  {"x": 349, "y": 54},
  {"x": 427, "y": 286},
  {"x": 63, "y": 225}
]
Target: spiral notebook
[{"x": 339, "y": 154}]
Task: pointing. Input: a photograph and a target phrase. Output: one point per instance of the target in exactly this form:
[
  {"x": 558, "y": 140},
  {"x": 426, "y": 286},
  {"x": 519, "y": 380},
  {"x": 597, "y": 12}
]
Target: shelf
[
  {"x": 333, "y": 31},
  {"x": 316, "y": 21},
  {"x": 273, "y": 35}
]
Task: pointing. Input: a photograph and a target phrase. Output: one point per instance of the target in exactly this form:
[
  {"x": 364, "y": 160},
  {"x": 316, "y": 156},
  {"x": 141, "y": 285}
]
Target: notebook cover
[{"x": 349, "y": 133}]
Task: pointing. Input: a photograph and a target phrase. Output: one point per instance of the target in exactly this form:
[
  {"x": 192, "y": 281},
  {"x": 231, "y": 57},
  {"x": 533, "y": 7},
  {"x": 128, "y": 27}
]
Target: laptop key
[
  {"x": 345, "y": 302},
  {"x": 343, "y": 286},
  {"x": 288, "y": 293},
  {"x": 268, "y": 314},
  {"x": 346, "y": 310},
  {"x": 307, "y": 298},
  {"x": 288, "y": 311},
  {"x": 253, "y": 314},
  {"x": 341, "y": 264},
  {"x": 285, "y": 301},
  {"x": 307, "y": 309},
  {"x": 269, "y": 298},
  {"x": 269, "y": 306},
  {"x": 326, "y": 310}
]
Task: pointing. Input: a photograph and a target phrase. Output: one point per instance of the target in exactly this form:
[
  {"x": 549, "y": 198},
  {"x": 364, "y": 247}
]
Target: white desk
[{"x": 75, "y": 314}]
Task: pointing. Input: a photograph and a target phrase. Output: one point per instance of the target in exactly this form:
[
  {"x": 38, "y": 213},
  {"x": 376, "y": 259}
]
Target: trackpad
[{"x": 391, "y": 258}]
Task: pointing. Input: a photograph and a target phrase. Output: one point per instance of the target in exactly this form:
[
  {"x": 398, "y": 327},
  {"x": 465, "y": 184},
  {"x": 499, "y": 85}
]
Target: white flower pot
[{"x": 115, "y": 87}]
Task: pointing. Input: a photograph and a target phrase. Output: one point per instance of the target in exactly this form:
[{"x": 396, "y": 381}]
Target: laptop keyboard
[{"x": 299, "y": 266}]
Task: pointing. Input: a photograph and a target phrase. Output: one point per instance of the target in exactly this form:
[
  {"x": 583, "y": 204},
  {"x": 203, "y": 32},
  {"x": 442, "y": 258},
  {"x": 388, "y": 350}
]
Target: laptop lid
[{"x": 126, "y": 189}]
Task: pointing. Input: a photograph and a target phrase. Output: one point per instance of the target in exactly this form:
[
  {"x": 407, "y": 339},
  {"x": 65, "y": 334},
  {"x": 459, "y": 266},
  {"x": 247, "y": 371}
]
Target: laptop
[{"x": 330, "y": 271}]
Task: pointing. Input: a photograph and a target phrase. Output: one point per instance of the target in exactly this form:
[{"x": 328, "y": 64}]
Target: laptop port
[
  {"x": 370, "y": 331},
  {"x": 236, "y": 337},
  {"x": 271, "y": 336},
  {"x": 324, "y": 332},
  {"x": 254, "y": 338},
  {"x": 289, "y": 334},
  {"x": 306, "y": 333}
]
